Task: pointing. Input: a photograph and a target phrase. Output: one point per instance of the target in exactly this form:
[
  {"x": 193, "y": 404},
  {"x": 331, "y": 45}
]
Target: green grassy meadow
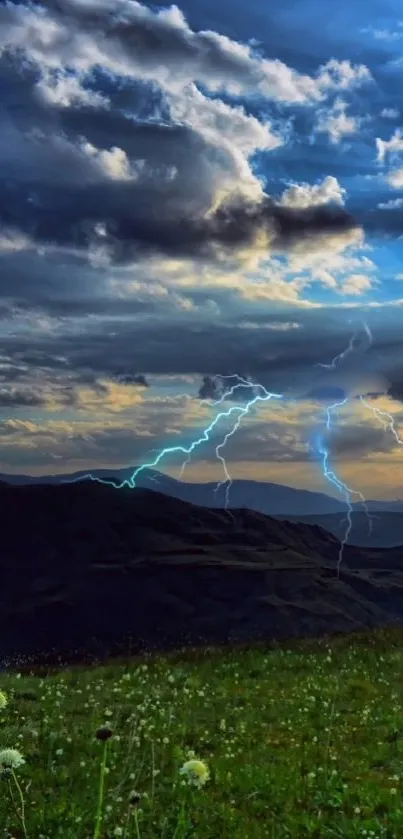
[{"x": 301, "y": 740}]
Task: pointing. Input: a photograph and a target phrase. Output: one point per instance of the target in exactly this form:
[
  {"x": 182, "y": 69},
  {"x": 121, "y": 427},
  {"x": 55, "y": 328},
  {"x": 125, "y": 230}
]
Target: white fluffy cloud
[
  {"x": 333, "y": 261},
  {"x": 356, "y": 284},
  {"x": 65, "y": 90},
  {"x": 122, "y": 36},
  {"x": 337, "y": 123},
  {"x": 395, "y": 178},
  {"x": 391, "y": 147},
  {"x": 230, "y": 129},
  {"x": 391, "y": 151},
  {"x": 342, "y": 75},
  {"x": 307, "y": 195},
  {"x": 390, "y": 113},
  {"x": 393, "y": 204}
]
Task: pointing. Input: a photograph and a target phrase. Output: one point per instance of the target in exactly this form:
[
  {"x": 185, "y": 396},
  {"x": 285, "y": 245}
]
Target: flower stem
[
  {"x": 98, "y": 818},
  {"x": 136, "y": 822},
  {"x": 20, "y": 793},
  {"x": 181, "y": 823}
]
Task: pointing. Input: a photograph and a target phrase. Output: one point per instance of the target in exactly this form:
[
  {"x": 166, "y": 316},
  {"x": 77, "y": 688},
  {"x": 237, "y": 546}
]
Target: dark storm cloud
[
  {"x": 326, "y": 393},
  {"x": 228, "y": 389},
  {"x": 357, "y": 440},
  {"x": 132, "y": 218},
  {"x": 210, "y": 388},
  {"x": 396, "y": 391},
  {"x": 395, "y": 381},
  {"x": 39, "y": 388},
  {"x": 62, "y": 285},
  {"x": 132, "y": 379},
  {"x": 200, "y": 347},
  {"x": 34, "y": 393},
  {"x": 14, "y": 397},
  {"x": 41, "y": 358},
  {"x": 163, "y": 348}
]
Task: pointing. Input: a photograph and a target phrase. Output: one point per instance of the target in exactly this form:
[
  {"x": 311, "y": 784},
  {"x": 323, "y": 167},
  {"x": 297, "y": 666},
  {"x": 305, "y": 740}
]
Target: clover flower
[
  {"x": 196, "y": 771},
  {"x": 10, "y": 759}
]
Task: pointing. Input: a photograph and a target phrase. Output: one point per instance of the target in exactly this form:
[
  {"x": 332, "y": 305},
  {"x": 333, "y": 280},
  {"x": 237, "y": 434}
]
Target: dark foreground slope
[{"x": 85, "y": 567}]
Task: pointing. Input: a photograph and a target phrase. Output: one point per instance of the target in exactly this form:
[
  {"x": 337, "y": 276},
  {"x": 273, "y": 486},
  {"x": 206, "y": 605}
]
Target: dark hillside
[{"x": 87, "y": 566}]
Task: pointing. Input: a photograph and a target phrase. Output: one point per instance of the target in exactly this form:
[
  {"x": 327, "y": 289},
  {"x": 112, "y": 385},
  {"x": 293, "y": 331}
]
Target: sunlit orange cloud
[{"x": 116, "y": 397}]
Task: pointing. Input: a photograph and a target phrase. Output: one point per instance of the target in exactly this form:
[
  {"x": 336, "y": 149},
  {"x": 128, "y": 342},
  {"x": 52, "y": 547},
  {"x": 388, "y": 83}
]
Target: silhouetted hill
[
  {"x": 264, "y": 497},
  {"x": 386, "y": 527},
  {"x": 85, "y": 566}
]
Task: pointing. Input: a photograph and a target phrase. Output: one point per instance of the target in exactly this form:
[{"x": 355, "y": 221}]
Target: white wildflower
[
  {"x": 10, "y": 759},
  {"x": 196, "y": 771}
]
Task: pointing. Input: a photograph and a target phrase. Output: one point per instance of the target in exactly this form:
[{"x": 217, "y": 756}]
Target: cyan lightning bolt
[
  {"x": 243, "y": 410},
  {"x": 225, "y": 394},
  {"x": 255, "y": 388},
  {"x": 235, "y": 410}
]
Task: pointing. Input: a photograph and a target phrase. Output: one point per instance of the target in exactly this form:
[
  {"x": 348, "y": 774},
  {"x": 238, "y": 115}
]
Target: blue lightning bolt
[
  {"x": 329, "y": 474},
  {"x": 344, "y": 489},
  {"x": 341, "y": 486},
  {"x": 227, "y": 479},
  {"x": 329, "y": 409}
]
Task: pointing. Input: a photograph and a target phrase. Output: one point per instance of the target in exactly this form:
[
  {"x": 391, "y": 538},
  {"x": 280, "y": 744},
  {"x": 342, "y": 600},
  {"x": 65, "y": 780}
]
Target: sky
[{"x": 193, "y": 192}]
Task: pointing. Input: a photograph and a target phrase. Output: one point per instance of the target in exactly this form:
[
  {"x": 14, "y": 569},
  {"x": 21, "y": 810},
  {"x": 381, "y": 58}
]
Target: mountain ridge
[{"x": 266, "y": 497}]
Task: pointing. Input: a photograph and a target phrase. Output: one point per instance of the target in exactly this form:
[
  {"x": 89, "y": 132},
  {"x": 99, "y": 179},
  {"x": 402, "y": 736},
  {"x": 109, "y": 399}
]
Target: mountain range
[
  {"x": 86, "y": 570},
  {"x": 386, "y": 529}
]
